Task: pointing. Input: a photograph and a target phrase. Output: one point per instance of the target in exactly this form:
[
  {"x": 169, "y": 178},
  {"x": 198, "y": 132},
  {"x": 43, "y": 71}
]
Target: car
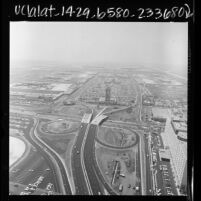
[
  {"x": 170, "y": 193},
  {"x": 44, "y": 194},
  {"x": 77, "y": 152},
  {"x": 49, "y": 186},
  {"x": 48, "y": 169},
  {"x": 32, "y": 190},
  {"x": 35, "y": 185},
  {"x": 41, "y": 178},
  {"x": 168, "y": 184},
  {"x": 26, "y": 189},
  {"x": 158, "y": 193},
  {"x": 25, "y": 193},
  {"x": 165, "y": 177},
  {"x": 50, "y": 192},
  {"x": 30, "y": 170}
]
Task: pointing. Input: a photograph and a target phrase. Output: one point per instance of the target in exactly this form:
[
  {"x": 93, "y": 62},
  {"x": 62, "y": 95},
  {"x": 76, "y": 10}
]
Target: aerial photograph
[{"x": 98, "y": 108}]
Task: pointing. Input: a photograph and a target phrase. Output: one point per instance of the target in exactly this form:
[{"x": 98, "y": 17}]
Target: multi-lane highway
[
  {"x": 64, "y": 177},
  {"x": 96, "y": 180},
  {"x": 78, "y": 172},
  {"x": 87, "y": 176},
  {"x": 47, "y": 158}
]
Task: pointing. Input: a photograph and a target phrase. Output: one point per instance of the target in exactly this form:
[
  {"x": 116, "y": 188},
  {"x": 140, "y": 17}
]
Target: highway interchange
[{"x": 88, "y": 179}]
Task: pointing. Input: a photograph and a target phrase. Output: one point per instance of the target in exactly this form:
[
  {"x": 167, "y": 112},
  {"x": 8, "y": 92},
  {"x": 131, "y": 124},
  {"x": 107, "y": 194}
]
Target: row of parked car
[
  {"x": 32, "y": 187},
  {"x": 166, "y": 179}
]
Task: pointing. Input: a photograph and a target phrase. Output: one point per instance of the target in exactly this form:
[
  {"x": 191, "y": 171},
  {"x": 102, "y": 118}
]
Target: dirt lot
[
  {"x": 116, "y": 137},
  {"x": 59, "y": 127},
  {"x": 125, "y": 173},
  {"x": 126, "y": 116}
]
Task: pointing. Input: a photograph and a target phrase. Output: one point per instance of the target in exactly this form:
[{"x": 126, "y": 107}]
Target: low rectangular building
[
  {"x": 164, "y": 155},
  {"x": 179, "y": 125}
]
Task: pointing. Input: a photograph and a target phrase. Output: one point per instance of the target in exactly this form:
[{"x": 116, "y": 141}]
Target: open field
[
  {"x": 59, "y": 144},
  {"x": 130, "y": 115},
  {"x": 59, "y": 127},
  {"x": 116, "y": 137},
  {"x": 168, "y": 92},
  {"x": 77, "y": 110}
]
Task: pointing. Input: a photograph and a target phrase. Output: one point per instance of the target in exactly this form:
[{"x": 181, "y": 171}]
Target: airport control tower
[{"x": 107, "y": 94}]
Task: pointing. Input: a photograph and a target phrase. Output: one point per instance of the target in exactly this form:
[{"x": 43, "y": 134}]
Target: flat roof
[
  {"x": 160, "y": 112},
  {"x": 164, "y": 153},
  {"x": 180, "y": 125},
  {"x": 182, "y": 134}
]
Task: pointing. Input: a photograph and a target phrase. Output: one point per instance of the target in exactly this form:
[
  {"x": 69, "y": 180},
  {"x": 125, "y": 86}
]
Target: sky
[{"x": 156, "y": 44}]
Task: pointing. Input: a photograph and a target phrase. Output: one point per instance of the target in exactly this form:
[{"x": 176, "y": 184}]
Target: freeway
[
  {"x": 96, "y": 180},
  {"x": 47, "y": 158},
  {"x": 78, "y": 174},
  {"x": 63, "y": 172},
  {"x": 148, "y": 172}
]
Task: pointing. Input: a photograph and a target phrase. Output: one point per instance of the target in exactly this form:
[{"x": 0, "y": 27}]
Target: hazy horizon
[{"x": 155, "y": 45}]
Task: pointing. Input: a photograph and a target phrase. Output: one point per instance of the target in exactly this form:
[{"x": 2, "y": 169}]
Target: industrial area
[{"x": 96, "y": 131}]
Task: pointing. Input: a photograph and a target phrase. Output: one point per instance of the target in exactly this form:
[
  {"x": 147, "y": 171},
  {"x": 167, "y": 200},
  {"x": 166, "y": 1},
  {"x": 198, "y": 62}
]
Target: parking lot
[
  {"x": 164, "y": 176},
  {"x": 160, "y": 171}
]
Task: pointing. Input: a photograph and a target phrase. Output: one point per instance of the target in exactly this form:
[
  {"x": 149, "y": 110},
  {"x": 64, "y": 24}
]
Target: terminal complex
[{"x": 99, "y": 131}]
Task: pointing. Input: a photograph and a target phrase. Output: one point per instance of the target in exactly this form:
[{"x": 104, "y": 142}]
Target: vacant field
[
  {"x": 168, "y": 92},
  {"x": 59, "y": 143},
  {"x": 116, "y": 137},
  {"x": 73, "y": 110},
  {"x": 59, "y": 127},
  {"x": 130, "y": 115}
]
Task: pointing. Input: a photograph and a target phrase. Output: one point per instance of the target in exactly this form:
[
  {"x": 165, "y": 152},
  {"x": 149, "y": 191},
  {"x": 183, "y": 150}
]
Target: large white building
[
  {"x": 177, "y": 148},
  {"x": 178, "y": 152}
]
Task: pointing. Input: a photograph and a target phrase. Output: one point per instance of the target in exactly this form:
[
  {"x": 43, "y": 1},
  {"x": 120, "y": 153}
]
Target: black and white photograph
[{"x": 98, "y": 108}]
